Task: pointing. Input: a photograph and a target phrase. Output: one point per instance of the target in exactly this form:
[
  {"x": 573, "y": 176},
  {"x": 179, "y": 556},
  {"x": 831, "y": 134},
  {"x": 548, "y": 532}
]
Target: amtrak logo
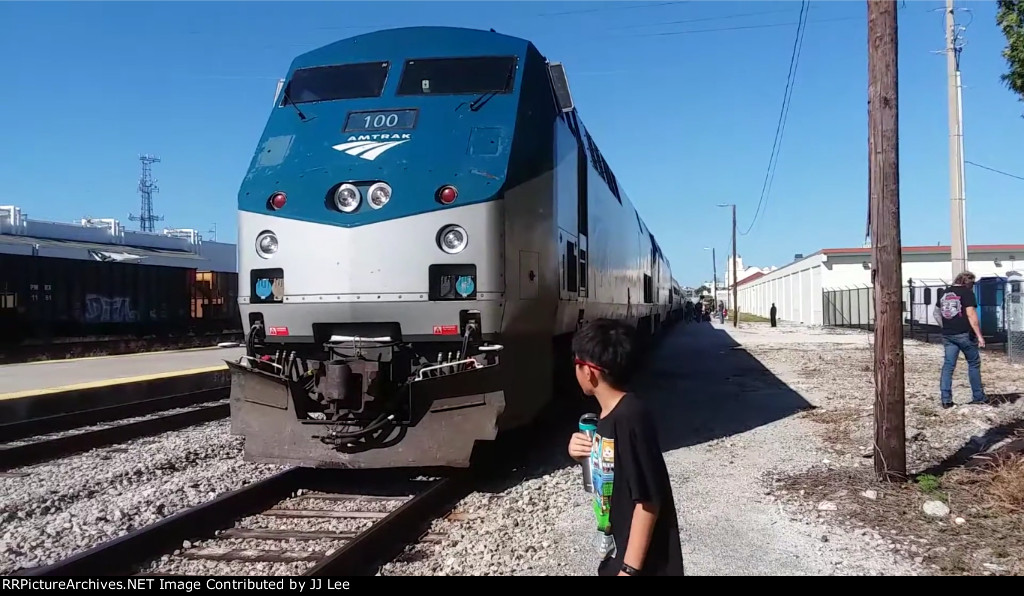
[{"x": 370, "y": 147}]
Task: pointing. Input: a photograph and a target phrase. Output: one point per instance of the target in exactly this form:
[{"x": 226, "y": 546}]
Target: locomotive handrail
[
  {"x": 420, "y": 377},
  {"x": 355, "y": 338},
  {"x": 247, "y": 357}
]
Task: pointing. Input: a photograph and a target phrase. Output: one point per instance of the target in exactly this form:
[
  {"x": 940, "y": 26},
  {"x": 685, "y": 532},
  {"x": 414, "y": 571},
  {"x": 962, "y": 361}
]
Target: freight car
[
  {"x": 45, "y": 299},
  {"x": 425, "y": 223}
]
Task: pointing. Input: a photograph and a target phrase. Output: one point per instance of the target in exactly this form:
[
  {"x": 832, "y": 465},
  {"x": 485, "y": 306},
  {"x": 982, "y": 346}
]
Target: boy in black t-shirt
[
  {"x": 957, "y": 309},
  {"x": 636, "y": 514}
]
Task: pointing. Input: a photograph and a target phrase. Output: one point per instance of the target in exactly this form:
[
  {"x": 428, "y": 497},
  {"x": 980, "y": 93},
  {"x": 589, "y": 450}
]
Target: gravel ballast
[
  {"x": 726, "y": 423},
  {"x": 948, "y": 520},
  {"x": 69, "y": 505},
  {"x": 737, "y": 409}
]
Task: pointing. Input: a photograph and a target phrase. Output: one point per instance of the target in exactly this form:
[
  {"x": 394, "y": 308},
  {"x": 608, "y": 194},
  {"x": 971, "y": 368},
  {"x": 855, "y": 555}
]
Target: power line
[
  {"x": 794, "y": 60},
  {"x": 740, "y": 27},
  {"x": 978, "y": 165},
  {"x": 701, "y": 19},
  {"x": 604, "y": 8}
]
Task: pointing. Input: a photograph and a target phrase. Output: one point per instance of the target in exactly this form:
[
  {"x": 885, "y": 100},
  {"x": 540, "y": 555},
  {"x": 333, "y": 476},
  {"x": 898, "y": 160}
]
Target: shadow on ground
[
  {"x": 977, "y": 449},
  {"x": 699, "y": 384},
  {"x": 702, "y": 385}
]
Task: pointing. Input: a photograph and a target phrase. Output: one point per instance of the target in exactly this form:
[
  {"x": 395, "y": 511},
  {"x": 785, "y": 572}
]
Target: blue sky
[{"x": 686, "y": 120}]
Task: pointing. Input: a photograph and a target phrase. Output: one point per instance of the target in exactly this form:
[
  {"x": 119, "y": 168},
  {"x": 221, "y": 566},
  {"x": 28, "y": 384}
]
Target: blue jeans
[{"x": 954, "y": 344}]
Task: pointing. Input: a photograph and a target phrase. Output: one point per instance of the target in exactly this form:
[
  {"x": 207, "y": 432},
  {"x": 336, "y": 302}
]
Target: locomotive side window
[
  {"x": 458, "y": 76},
  {"x": 331, "y": 83}
]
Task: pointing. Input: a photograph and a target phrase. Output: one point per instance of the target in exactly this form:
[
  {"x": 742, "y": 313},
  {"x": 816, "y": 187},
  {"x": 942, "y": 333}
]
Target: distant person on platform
[
  {"x": 774, "y": 311},
  {"x": 957, "y": 309}
]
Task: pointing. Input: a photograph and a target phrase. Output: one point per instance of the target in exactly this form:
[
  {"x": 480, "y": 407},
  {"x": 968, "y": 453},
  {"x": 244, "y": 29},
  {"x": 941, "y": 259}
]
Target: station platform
[{"x": 57, "y": 376}]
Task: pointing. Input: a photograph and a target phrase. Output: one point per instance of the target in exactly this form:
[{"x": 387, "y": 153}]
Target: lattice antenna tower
[{"x": 147, "y": 186}]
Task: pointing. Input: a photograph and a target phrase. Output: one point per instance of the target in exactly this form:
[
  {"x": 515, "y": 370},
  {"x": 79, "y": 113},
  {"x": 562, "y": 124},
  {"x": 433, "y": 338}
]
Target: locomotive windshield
[
  {"x": 329, "y": 83},
  {"x": 458, "y": 76}
]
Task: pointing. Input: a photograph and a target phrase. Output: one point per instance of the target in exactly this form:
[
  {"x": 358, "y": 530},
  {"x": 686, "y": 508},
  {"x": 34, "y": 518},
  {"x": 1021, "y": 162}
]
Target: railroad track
[
  {"x": 117, "y": 426},
  {"x": 251, "y": 531}
]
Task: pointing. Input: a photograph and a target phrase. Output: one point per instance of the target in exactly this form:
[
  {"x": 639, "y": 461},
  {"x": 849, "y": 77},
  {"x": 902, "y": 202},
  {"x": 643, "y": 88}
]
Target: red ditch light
[
  {"x": 277, "y": 200},
  {"x": 447, "y": 195}
]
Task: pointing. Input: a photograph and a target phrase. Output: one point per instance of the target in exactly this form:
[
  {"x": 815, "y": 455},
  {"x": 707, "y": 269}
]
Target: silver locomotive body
[{"x": 403, "y": 338}]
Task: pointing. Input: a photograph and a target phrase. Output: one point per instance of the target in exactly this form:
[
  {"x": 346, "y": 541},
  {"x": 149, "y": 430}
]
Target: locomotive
[{"x": 425, "y": 223}]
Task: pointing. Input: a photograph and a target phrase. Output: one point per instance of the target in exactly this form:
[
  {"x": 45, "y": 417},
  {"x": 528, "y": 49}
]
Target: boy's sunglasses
[{"x": 588, "y": 364}]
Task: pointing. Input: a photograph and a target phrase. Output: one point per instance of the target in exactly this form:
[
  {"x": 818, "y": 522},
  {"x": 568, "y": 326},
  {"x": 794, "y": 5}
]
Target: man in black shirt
[
  {"x": 636, "y": 514},
  {"x": 956, "y": 308}
]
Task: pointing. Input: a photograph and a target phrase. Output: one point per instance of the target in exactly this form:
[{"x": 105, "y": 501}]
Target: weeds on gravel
[
  {"x": 983, "y": 533},
  {"x": 999, "y": 488},
  {"x": 930, "y": 485}
]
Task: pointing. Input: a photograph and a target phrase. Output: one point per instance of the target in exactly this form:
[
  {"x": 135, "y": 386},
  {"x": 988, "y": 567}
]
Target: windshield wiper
[
  {"x": 479, "y": 102},
  {"x": 288, "y": 100}
]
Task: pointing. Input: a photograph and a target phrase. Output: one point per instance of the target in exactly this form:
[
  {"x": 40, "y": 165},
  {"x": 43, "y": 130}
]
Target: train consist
[{"x": 425, "y": 223}]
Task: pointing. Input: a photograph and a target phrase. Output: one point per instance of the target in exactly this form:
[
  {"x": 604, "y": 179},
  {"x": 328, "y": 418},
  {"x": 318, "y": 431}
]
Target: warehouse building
[
  {"x": 95, "y": 278},
  {"x": 833, "y": 285}
]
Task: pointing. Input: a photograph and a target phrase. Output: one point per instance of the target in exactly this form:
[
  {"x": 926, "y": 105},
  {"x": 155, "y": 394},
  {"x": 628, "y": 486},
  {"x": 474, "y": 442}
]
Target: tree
[
  {"x": 703, "y": 290},
  {"x": 1010, "y": 19}
]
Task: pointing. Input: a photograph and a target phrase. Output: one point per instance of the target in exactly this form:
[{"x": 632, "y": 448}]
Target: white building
[
  {"x": 799, "y": 289},
  {"x": 723, "y": 292}
]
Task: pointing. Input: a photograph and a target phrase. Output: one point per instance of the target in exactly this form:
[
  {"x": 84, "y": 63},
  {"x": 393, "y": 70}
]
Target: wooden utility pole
[
  {"x": 886, "y": 244},
  {"x": 735, "y": 279}
]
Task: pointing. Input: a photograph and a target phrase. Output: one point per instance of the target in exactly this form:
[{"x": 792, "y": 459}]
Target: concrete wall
[{"x": 796, "y": 289}]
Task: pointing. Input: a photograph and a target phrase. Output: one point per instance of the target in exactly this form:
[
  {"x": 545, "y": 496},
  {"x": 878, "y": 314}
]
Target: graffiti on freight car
[{"x": 101, "y": 309}]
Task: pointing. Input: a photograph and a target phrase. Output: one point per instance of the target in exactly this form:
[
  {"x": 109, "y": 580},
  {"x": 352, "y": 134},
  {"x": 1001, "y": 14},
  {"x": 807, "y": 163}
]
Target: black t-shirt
[
  {"x": 628, "y": 468},
  {"x": 952, "y": 303}
]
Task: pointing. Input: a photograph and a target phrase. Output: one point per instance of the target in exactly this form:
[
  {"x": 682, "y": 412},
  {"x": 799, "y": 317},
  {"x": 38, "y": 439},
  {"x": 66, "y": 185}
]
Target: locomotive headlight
[
  {"x": 379, "y": 195},
  {"x": 266, "y": 244},
  {"x": 452, "y": 239},
  {"x": 346, "y": 198}
]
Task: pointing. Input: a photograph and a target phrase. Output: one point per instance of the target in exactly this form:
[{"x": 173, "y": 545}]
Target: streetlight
[{"x": 735, "y": 280}]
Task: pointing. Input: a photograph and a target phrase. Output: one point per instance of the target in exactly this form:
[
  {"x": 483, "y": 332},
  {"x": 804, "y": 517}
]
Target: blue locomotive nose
[
  {"x": 358, "y": 115},
  {"x": 425, "y": 224}
]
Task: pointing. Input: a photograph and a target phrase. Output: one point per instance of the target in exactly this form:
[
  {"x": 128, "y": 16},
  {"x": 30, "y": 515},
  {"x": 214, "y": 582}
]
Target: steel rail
[
  {"x": 122, "y": 555},
  {"x": 14, "y": 431},
  {"x": 386, "y": 539},
  {"x": 39, "y": 451}
]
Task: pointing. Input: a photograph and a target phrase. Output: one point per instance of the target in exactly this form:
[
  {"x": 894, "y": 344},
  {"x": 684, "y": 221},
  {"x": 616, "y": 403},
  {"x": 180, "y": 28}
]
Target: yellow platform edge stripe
[
  {"x": 109, "y": 382},
  {"x": 107, "y": 356}
]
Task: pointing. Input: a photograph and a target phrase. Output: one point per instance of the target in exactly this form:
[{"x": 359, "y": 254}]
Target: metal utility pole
[
  {"x": 735, "y": 278},
  {"x": 958, "y": 228},
  {"x": 714, "y": 273},
  {"x": 735, "y": 302},
  {"x": 886, "y": 244},
  {"x": 147, "y": 186}
]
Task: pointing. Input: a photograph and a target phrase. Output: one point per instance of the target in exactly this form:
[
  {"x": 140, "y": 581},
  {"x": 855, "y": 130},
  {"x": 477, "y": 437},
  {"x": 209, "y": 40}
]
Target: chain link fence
[
  {"x": 1013, "y": 298},
  {"x": 854, "y": 308}
]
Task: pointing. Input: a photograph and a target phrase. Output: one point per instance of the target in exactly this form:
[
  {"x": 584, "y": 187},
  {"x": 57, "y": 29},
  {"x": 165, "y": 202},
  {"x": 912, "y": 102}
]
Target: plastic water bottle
[{"x": 588, "y": 426}]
